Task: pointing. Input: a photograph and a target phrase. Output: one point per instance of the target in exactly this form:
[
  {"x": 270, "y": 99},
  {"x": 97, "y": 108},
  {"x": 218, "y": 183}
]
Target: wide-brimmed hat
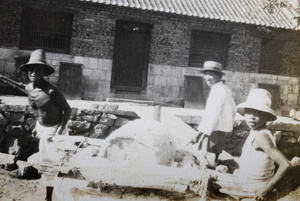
[
  {"x": 38, "y": 58},
  {"x": 212, "y": 66},
  {"x": 258, "y": 99}
]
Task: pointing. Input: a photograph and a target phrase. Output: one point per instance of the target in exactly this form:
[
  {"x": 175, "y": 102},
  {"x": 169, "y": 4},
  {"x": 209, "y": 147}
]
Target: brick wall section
[
  {"x": 93, "y": 40},
  {"x": 10, "y": 13}
]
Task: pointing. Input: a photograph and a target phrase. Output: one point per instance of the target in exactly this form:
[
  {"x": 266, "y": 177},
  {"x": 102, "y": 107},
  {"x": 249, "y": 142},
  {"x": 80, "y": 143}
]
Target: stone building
[{"x": 153, "y": 49}]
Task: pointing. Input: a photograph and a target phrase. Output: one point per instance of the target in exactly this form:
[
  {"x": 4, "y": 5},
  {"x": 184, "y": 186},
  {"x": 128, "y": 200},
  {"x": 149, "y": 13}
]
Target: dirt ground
[{"x": 16, "y": 189}]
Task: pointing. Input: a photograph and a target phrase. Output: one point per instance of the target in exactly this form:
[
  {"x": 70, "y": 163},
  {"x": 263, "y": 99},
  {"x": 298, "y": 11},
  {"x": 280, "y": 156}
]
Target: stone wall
[{"x": 17, "y": 123}]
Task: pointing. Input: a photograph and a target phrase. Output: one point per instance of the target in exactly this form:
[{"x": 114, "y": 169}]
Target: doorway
[{"x": 131, "y": 57}]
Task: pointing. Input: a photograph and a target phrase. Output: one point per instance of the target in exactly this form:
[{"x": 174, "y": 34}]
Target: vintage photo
[{"x": 155, "y": 100}]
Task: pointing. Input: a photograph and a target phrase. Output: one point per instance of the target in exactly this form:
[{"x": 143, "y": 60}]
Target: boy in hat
[
  {"x": 50, "y": 108},
  {"x": 256, "y": 174},
  {"x": 219, "y": 112}
]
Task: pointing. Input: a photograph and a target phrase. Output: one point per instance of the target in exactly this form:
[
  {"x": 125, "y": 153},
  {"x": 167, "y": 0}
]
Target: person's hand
[
  {"x": 34, "y": 133},
  {"x": 59, "y": 130},
  {"x": 195, "y": 139},
  {"x": 49, "y": 139},
  {"x": 237, "y": 123},
  {"x": 261, "y": 194}
]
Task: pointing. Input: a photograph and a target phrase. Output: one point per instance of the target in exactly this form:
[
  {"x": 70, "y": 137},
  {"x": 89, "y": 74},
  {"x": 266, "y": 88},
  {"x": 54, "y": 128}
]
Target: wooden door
[
  {"x": 70, "y": 80},
  {"x": 196, "y": 92},
  {"x": 130, "y": 59}
]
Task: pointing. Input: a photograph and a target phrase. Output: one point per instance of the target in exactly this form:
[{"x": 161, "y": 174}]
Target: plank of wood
[{"x": 135, "y": 174}]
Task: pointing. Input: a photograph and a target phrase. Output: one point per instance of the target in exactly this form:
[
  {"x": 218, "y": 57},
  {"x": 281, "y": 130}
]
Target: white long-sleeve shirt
[{"x": 219, "y": 110}]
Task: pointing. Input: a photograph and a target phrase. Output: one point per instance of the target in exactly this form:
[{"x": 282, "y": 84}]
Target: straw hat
[
  {"x": 38, "y": 58},
  {"x": 258, "y": 99},
  {"x": 212, "y": 66}
]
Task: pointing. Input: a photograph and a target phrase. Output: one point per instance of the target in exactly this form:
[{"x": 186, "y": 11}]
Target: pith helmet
[{"x": 258, "y": 99}]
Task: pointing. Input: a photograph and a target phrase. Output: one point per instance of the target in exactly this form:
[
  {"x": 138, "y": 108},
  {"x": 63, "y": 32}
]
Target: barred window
[
  {"x": 46, "y": 29},
  {"x": 208, "y": 46},
  {"x": 271, "y": 56}
]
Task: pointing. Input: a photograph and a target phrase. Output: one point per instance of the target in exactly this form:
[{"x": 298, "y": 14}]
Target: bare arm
[
  {"x": 264, "y": 143},
  {"x": 62, "y": 103}
]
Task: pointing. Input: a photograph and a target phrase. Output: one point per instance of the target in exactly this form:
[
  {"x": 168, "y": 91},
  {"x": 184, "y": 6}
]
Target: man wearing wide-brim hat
[
  {"x": 50, "y": 107},
  {"x": 219, "y": 111}
]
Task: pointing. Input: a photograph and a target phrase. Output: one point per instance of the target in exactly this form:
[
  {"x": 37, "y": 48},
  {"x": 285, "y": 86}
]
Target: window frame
[
  {"x": 270, "y": 55},
  {"x": 209, "y": 47},
  {"x": 37, "y": 31}
]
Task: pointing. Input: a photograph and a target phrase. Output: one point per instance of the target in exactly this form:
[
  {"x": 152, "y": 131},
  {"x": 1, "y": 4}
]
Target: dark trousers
[{"x": 213, "y": 143}]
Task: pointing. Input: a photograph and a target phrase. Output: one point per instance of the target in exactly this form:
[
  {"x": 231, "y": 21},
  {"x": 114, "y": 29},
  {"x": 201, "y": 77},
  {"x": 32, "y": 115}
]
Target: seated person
[{"x": 257, "y": 175}]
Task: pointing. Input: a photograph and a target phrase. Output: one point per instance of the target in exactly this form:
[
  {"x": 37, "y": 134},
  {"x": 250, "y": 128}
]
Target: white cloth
[
  {"x": 219, "y": 110},
  {"x": 46, "y": 150},
  {"x": 44, "y": 133},
  {"x": 256, "y": 167}
]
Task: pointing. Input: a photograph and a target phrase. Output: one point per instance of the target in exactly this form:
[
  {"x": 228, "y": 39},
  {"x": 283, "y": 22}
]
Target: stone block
[
  {"x": 107, "y": 75},
  {"x": 171, "y": 81},
  {"x": 73, "y": 113},
  {"x": 79, "y": 59},
  {"x": 190, "y": 119},
  {"x": 6, "y": 159},
  {"x": 292, "y": 99},
  {"x": 14, "y": 130},
  {"x": 3, "y": 107},
  {"x": 121, "y": 121},
  {"x": 16, "y": 108},
  {"x": 88, "y": 111},
  {"x": 28, "y": 110},
  {"x": 29, "y": 123},
  {"x": 284, "y": 124},
  {"x": 160, "y": 80},
  {"x": 155, "y": 69},
  {"x": 108, "y": 107},
  {"x": 91, "y": 85},
  {"x": 16, "y": 117},
  {"x": 3, "y": 120},
  {"x": 100, "y": 131},
  {"x": 123, "y": 113},
  {"x": 166, "y": 70},
  {"x": 89, "y": 118},
  {"x": 10, "y": 67},
  {"x": 177, "y": 71},
  {"x": 150, "y": 80},
  {"x": 93, "y": 63},
  {"x": 105, "y": 64},
  {"x": 79, "y": 126},
  {"x": 26, "y": 170},
  {"x": 107, "y": 119}
]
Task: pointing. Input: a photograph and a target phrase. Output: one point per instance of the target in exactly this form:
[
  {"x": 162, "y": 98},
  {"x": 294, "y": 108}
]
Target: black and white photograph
[{"x": 149, "y": 100}]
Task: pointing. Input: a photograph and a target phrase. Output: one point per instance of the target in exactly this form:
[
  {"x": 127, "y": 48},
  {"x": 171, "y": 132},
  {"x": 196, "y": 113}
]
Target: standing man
[
  {"x": 50, "y": 108},
  {"x": 219, "y": 111}
]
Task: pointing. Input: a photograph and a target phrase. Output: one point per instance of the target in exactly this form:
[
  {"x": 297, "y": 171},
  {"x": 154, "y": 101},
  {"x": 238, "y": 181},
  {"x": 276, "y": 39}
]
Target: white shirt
[
  {"x": 256, "y": 167},
  {"x": 219, "y": 110}
]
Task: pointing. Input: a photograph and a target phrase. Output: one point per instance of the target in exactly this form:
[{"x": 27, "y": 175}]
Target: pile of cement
[{"x": 145, "y": 141}]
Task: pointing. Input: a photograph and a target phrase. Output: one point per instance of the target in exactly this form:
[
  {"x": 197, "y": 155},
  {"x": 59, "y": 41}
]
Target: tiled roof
[{"x": 255, "y": 12}]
